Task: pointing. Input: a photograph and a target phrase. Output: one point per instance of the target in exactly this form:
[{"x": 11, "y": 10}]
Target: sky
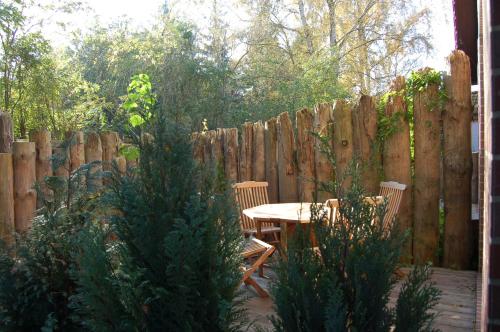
[{"x": 142, "y": 14}]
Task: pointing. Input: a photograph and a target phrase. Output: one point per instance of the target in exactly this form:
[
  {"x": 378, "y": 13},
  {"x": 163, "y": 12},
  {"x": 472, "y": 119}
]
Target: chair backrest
[
  {"x": 333, "y": 204},
  {"x": 249, "y": 194},
  {"x": 393, "y": 192}
]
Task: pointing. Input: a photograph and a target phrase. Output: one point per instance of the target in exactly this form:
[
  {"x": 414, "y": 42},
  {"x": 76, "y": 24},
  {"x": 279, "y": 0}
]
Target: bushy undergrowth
[
  {"x": 344, "y": 283},
  {"x": 35, "y": 282}
]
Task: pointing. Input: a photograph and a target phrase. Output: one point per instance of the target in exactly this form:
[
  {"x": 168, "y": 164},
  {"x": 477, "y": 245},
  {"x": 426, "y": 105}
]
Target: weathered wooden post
[
  {"x": 246, "y": 149},
  {"x": 427, "y": 115},
  {"x": 287, "y": 169},
  {"x": 271, "y": 158},
  {"x": 93, "y": 154},
  {"x": 364, "y": 122},
  {"x": 397, "y": 158},
  {"x": 121, "y": 164},
  {"x": 457, "y": 164},
  {"x": 62, "y": 153},
  {"x": 231, "y": 154},
  {"x": 342, "y": 141},
  {"x": 198, "y": 140},
  {"x": 76, "y": 149},
  {"x": 305, "y": 155},
  {"x": 323, "y": 126},
  {"x": 217, "y": 148},
  {"x": 24, "y": 156},
  {"x": 110, "y": 145},
  {"x": 43, "y": 146},
  {"x": 6, "y": 197},
  {"x": 6, "y": 133},
  {"x": 258, "y": 155}
]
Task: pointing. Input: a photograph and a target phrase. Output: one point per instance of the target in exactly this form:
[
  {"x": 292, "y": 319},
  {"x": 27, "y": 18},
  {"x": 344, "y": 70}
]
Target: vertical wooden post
[
  {"x": 246, "y": 149},
  {"x": 207, "y": 145},
  {"x": 231, "y": 153},
  {"x": 323, "y": 126},
  {"x": 342, "y": 141},
  {"x": 457, "y": 163},
  {"x": 198, "y": 140},
  {"x": 287, "y": 170},
  {"x": 427, "y": 161},
  {"x": 24, "y": 156},
  {"x": 43, "y": 146},
  {"x": 6, "y": 197},
  {"x": 397, "y": 159},
  {"x": 305, "y": 155},
  {"x": 6, "y": 133},
  {"x": 61, "y": 152},
  {"x": 271, "y": 158},
  {"x": 110, "y": 145},
  {"x": 217, "y": 148},
  {"x": 76, "y": 149},
  {"x": 364, "y": 122},
  {"x": 121, "y": 164},
  {"x": 258, "y": 155},
  {"x": 93, "y": 153}
]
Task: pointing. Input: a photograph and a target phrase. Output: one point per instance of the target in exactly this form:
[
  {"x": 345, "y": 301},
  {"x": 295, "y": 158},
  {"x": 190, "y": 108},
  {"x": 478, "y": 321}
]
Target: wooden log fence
[{"x": 288, "y": 156}]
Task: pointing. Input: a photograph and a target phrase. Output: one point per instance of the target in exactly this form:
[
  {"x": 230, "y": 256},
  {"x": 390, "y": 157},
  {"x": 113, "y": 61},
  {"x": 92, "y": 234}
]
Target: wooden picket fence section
[
  {"x": 288, "y": 157},
  {"x": 23, "y": 162}
]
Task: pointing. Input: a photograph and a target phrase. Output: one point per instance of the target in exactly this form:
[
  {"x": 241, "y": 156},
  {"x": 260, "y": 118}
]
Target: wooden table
[{"x": 288, "y": 215}]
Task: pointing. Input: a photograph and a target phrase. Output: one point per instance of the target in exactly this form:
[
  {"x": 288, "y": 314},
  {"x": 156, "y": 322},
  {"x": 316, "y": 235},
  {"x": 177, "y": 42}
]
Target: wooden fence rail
[{"x": 286, "y": 154}]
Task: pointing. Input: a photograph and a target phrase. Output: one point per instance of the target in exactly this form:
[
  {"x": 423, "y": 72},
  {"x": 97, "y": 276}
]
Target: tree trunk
[
  {"x": 323, "y": 126},
  {"x": 457, "y": 163},
  {"x": 7, "y": 225},
  {"x": 6, "y": 133},
  {"x": 271, "y": 159},
  {"x": 364, "y": 119},
  {"x": 397, "y": 160},
  {"x": 258, "y": 156},
  {"x": 24, "y": 156},
  {"x": 305, "y": 155},
  {"x": 427, "y": 178},
  {"x": 342, "y": 142},
  {"x": 305, "y": 26},
  {"x": 287, "y": 170}
]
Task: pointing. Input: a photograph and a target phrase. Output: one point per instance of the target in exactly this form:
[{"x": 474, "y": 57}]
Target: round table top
[{"x": 282, "y": 212}]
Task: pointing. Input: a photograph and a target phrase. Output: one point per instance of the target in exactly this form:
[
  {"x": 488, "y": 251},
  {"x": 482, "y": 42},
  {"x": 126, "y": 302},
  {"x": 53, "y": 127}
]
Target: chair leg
[{"x": 262, "y": 293}]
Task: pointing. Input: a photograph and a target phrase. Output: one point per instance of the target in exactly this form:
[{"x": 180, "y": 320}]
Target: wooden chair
[
  {"x": 250, "y": 194},
  {"x": 333, "y": 204},
  {"x": 393, "y": 192},
  {"x": 255, "y": 248}
]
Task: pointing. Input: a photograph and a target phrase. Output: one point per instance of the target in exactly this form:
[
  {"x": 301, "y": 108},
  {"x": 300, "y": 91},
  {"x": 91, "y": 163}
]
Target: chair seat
[
  {"x": 254, "y": 247},
  {"x": 264, "y": 230}
]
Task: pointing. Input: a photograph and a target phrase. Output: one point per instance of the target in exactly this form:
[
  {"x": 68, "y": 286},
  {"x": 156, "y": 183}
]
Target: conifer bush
[
  {"x": 344, "y": 284},
  {"x": 168, "y": 256}
]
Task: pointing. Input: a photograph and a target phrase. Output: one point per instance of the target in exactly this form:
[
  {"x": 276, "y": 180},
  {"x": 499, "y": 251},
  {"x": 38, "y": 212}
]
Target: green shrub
[
  {"x": 168, "y": 258},
  {"x": 344, "y": 284}
]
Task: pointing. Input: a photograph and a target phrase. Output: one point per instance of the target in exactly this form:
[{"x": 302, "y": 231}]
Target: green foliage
[
  {"x": 421, "y": 80},
  {"x": 344, "y": 284},
  {"x": 169, "y": 256},
  {"x": 35, "y": 279}
]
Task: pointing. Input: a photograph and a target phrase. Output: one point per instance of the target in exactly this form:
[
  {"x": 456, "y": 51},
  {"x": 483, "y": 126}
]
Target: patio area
[{"x": 457, "y": 309}]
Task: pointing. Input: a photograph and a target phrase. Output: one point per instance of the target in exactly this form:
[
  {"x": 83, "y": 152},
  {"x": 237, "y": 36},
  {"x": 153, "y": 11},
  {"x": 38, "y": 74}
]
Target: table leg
[
  {"x": 258, "y": 224},
  {"x": 284, "y": 237}
]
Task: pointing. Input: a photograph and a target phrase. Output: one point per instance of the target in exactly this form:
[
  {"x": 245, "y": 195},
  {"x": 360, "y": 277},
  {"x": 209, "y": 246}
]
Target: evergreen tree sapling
[
  {"x": 344, "y": 283},
  {"x": 168, "y": 258}
]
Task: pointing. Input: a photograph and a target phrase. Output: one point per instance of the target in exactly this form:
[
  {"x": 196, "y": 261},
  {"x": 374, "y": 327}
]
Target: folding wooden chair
[
  {"x": 250, "y": 194},
  {"x": 393, "y": 192},
  {"x": 255, "y": 248}
]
